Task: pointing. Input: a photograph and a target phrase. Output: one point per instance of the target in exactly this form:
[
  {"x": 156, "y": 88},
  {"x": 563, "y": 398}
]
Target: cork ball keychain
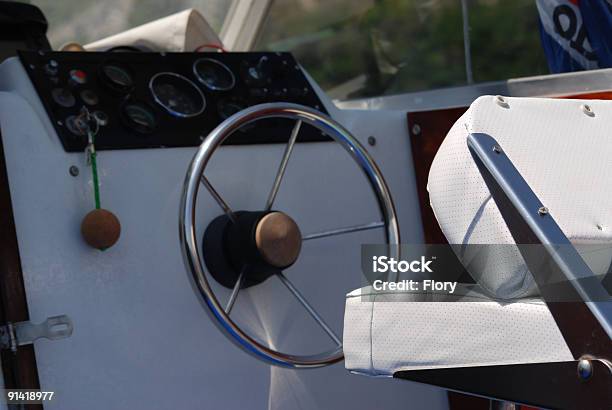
[{"x": 100, "y": 227}]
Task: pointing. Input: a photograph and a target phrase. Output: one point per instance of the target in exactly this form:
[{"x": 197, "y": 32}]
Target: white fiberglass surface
[{"x": 140, "y": 333}]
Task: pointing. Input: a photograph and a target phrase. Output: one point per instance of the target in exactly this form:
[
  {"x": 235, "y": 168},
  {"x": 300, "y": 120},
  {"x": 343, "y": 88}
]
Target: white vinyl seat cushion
[
  {"x": 565, "y": 156},
  {"x": 388, "y": 332}
]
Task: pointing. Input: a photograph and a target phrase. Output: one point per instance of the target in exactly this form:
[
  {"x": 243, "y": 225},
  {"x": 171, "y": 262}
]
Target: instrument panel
[{"x": 159, "y": 100}]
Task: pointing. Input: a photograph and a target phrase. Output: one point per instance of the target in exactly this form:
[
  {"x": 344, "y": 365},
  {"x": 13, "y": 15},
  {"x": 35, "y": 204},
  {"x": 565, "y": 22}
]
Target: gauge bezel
[
  {"x": 56, "y": 96},
  {"x": 220, "y": 64},
  {"x": 130, "y": 125},
  {"x": 170, "y": 110},
  {"x": 108, "y": 82}
]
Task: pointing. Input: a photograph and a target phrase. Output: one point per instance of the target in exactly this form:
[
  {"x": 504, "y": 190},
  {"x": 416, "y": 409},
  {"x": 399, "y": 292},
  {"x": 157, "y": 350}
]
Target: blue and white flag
[{"x": 576, "y": 34}]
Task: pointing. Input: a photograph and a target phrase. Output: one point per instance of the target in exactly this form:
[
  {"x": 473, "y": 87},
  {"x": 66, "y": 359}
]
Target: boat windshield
[{"x": 378, "y": 47}]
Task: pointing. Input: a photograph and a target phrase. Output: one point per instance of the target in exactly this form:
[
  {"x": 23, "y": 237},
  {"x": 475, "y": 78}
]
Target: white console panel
[{"x": 141, "y": 336}]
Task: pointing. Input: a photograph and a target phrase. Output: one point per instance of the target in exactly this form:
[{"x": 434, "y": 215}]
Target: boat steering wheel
[{"x": 245, "y": 248}]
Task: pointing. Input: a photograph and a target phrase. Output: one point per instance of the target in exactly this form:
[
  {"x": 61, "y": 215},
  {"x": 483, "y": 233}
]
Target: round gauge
[
  {"x": 117, "y": 77},
  {"x": 178, "y": 95},
  {"x": 214, "y": 74},
  {"x": 139, "y": 117},
  {"x": 63, "y": 97},
  {"x": 89, "y": 97}
]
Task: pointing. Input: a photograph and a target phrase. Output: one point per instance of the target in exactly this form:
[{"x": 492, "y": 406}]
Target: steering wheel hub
[
  {"x": 257, "y": 243},
  {"x": 278, "y": 239}
]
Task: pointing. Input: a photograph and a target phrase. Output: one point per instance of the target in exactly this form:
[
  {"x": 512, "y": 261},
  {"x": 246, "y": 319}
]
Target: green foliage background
[{"x": 406, "y": 45}]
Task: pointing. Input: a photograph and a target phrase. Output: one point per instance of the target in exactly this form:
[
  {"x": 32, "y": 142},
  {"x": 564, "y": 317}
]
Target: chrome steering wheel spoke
[
  {"x": 311, "y": 310},
  {"x": 213, "y": 192},
  {"x": 235, "y": 290},
  {"x": 283, "y": 165},
  {"x": 343, "y": 231}
]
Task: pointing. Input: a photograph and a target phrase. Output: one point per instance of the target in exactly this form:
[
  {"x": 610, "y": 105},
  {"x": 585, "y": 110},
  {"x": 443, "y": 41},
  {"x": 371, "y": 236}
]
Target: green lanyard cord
[
  {"x": 91, "y": 149},
  {"x": 96, "y": 183}
]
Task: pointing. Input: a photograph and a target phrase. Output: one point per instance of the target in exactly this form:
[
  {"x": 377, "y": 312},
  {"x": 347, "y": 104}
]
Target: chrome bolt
[
  {"x": 372, "y": 140},
  {"x": 74, "y": 171},
  {"x": 416, "y": 129},
  {"x": 543, "y": 211},
  {"x": 587, "y": 110},
  {"x": 501, "y": 101},
  {"x": 497, "y": 149},
  {"x": 585, "y": 369}
]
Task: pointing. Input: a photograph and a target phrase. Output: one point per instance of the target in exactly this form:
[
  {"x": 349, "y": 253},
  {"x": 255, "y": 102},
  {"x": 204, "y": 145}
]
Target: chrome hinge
[{"x": 17, "y": 334}]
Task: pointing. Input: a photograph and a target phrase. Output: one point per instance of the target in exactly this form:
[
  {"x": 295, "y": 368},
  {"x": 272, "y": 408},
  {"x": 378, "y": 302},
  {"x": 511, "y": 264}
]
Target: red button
[{"x": 78, "y": 76}]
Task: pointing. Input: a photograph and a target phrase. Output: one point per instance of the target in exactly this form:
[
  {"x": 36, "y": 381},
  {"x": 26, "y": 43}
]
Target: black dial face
[
  {"x": 178, "y": 95},
  {"x": 117, "y": 77},
  {"x": 63, "y": 97},
  {"x": 139, "y": 117},
  {"x": 214, "y": 74}
]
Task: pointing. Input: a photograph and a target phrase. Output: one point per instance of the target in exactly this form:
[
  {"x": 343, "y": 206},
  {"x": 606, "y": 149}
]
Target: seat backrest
[{"x": 563, "y": 149}]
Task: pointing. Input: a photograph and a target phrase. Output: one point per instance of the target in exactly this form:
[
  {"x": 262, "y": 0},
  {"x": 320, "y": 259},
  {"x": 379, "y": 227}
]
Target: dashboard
[{"x": 160, "y": 100}]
